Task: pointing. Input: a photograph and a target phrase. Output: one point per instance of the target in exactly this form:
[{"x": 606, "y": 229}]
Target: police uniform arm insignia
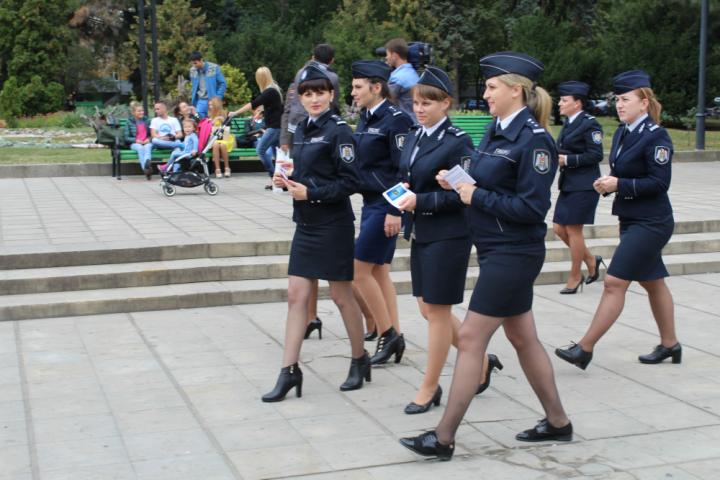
[
  {"x": 400, "y": 140},
  {"x": 658, "y": 165},
  {"x": 541, "y": 161},
  {"x": 662, "y": 154}
]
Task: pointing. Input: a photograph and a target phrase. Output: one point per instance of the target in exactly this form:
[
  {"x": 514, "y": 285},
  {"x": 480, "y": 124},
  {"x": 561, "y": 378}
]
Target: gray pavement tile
[
  {"x": 362, "y": 452},
  {"x": 486, "y": 409},
  {"x": 9, "y": 375},
  {"x": 214, "y": 414},
  {"x": 323, "y": 404},
  {"x": 70, "y": 341},
  {"x": 155, "y": 420},
  {"x": 134, "y": 381},
  {"x": 68, "y": 406},
  {"x": 671, "y": 416},
  {"x": 14, "y": 460},
  {"x": 13, "y": 434},
  {"x": 207, "y": 467},
  {"x": 608, "y": 423},
  {"x": 11, "y": 393},
  {"x": 137, "y": 400},
  {"x": 221, "y": 393},
  {"x": 75, "y": 355},
  {"x": 667, "y": 471},
  {"x": 195, "y": 360},
  {"x": 175, "y": 443},
  {"x": 120, "y": 366},
  {"x": 703, "y": 469},
  {"x": 53, "y": 430},
  {"x": 13, "y": 411},
  {"x": 496, "y": 469},
  {"x": 343, "y": 426},
  {"x": 207, "y": 375},
  {"x": 282, "y": 461},
  {"x": 37, "y": 373},
  {"x": 677, "y": 446},
  {"x": 118, "y": 471},
  {"x": 422, "y": 470},
  {"x": 81, "y": 453},
  {"x": 254, "y": 435}
]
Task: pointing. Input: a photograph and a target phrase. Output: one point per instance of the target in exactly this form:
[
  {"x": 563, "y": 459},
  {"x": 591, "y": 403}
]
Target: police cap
[
  {"x": 631, "y": 80},
  {"x": 574, "y": 88},
  {"x": 436, "y": 77},
  {"x": 371, "y": 68},
  {"x": 501, "y": 63},
  {"x": 312, "y": 72}
]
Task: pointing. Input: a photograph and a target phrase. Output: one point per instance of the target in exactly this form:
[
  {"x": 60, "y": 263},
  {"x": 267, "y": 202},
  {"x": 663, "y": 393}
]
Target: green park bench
[{"x": 474, "y": 126}]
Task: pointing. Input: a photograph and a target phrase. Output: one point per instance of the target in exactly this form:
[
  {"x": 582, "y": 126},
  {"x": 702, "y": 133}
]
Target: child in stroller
[{"x": 189, "y": 146}]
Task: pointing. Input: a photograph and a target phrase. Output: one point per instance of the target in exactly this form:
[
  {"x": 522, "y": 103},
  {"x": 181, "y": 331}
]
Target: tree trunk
[{"x": 456, "y": 78}]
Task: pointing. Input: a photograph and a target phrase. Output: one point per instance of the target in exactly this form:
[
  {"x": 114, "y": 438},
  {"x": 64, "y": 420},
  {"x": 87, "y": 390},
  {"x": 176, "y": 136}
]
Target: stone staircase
[{"x": 91, "y": 280}]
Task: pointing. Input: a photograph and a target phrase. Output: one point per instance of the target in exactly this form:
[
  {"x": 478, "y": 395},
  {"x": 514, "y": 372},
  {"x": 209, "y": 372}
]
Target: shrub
[
  {"x": 70, "y": 120},
  {"x": 33, "y": 96},
  {"x": 11, "y": 102},
  {"x": 54, "y": 97},
  {"x": 237, "y": 91}
]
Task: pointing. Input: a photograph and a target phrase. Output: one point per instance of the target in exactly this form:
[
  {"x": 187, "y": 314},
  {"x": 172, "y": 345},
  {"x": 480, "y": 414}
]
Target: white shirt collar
[
  {"x": 506, "y": 122},
  {"x": 312, "y": 119},
  {"x": 572, "y": 119},
  {"x": 637, "y": 122},
  {"x": 431, "y": 130},
  {"x": 373, "y": 109}
]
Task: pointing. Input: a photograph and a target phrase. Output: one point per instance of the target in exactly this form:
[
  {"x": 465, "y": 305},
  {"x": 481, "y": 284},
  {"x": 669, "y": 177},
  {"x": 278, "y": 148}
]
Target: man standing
[
  {"x": 403, "y": 77},
  {"x": 323, "y": 57},
  {"x": 207, "y": 82},
  {"x": 165, "y": 131}
]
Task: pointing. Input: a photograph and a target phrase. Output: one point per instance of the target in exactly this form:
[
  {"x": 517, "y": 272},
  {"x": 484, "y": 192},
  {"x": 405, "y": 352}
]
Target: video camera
[{"x": 419, "y": 54}]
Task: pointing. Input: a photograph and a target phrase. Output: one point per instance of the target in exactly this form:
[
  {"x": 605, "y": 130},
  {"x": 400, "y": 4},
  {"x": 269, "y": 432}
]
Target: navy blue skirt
[
  {"x": 639, "y": 256},
  {"x": 505, "y": 285},
  {"x": 325, "y": 251},
  {"x": 576, "y": 208},
  {"x": 372, "y": 246},
  {"x": 439, "y": 270}
]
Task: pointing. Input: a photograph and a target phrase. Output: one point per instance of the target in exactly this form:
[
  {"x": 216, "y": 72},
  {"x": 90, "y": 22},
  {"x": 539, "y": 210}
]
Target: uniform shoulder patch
[
  {"x": 662, "y": 155},
  {"x": 456, "y": 131},
  {"x": 541, "y": 161},
  {"x": 347, "y": 152},
  {"x": 597, "y": 137},
  {"x": 339, "y": 120},
  {"x": 538, "y": 130},
  {"x": 465, "y": 163},
  {"x": 653, "y": 127},
  {"x": 395, "y": 111},
  {"x": 400, "y": 140},
  {"x": 590, "y": 117}
]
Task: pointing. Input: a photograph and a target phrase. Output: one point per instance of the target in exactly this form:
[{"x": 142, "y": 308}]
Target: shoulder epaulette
[
  {"x": 395, "y": 111},
  {"x": 536, "y": 128},
  {"x": 456, "y": 131},
  {"x": 652, "y": 126},
  {"x": 338, "y": 119},
  {"x": 417, "y": 125},
  {"x": 588, "y": 116}
]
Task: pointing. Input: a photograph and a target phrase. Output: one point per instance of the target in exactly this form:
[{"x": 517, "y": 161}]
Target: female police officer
[
  {"x": 514, "y": 167},
  {"x": 580, "y": 148},
  {"x": 640, "y": 174},
  {"x": 380, "y": 136},
  {"x": 325, "y": 174},
  {"x": 441, "y": 243}
]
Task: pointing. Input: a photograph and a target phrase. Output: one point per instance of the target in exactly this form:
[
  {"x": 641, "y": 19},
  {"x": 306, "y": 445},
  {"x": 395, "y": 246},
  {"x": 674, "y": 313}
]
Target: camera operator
[{"x": 403, "y": 76}]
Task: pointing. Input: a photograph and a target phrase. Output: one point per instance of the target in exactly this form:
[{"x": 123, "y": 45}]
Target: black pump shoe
[
  {"x": 427, "y": 445},
  {"x": 575, "y": 355},
  {"x": 493, "y": 362},
  {"x": 598, "y": 261},
  {"x": 314, "y": 325},
  {"x": 572, "y": 291},
  {"x": 359, "y": 368},
  {"x": 389, "y": 344},
  {"x": 661, "y": 353},
  {"x": 413, "y": 408},
  {"x": 289, "y": 377},
  {"x": 543, "y": 431},
  {"x": 369, "y": 337}
]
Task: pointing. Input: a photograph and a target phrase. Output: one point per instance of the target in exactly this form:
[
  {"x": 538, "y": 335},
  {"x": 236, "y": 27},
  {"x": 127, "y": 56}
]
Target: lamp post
[
  {"x": 700, "y": 116},
  {"x": 143, "y": 60}
]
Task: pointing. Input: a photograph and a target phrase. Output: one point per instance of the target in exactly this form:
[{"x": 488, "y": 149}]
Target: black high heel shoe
[
  {"x": 571, "y": 291},
  {"x": 575, "y": 355},
  {"x": 289, "y": 377},
  {"x": 661, "y": 353},
  {"x": 493, "y": 362},
  {"x": 427, "y": 445},
  {"x": 389, "y": 344},
  {"x": 413, "y": 408},
  {"x": 312, "y": 326},
  {"x": 369, "y": 337},
  {"x": 598, "y": 261},
  {"x": 360, "y": 368}
]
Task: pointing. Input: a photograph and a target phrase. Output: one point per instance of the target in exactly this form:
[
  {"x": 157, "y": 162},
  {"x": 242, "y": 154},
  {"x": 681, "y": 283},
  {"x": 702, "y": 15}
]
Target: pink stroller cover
[{"x": 204, "y": 130}]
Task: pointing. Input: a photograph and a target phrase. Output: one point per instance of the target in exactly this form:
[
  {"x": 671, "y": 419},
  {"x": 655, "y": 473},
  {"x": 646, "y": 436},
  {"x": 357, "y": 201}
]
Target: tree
[
  {"x": 180, "y": 32},
  {"x": 10, "y": 102},
  {"x": 237, "y": 93},
  {"x": 33, "y": 38}
]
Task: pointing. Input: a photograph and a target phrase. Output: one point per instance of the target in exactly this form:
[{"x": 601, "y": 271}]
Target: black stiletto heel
[
  {"x": 289, "y": 377},
  {"x": 493, "y": 362},
  {"x": 369, "y": 337},
  {"x": 571, "y": 291},
  {"x": 661, "y": 353},
  {"x": 359, "y": 368},
  {"x": 312, "y": 326},
  {"x": 598, "y": 261},
  {"x": 413, "y": 408},
  {"x": 400, "y": 349}
]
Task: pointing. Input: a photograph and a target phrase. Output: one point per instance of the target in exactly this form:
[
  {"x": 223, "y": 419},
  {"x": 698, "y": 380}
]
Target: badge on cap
[
  {"x": 347, "y": 153},
  {"x": 541, "y": 161},
  {"x": 662, "y": 155},
  {"x": 597, "y": 137},
  {"x": 304, "y": 75},
  {"x": 400, "y": 141}
]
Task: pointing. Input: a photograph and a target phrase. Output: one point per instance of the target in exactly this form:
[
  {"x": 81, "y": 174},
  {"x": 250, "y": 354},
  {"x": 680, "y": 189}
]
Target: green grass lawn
[{"x": 25, "y": 156}]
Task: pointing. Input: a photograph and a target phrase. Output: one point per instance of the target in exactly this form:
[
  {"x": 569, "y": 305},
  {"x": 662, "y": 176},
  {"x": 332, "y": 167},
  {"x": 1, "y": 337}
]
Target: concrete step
[
  {"x": 173, "y": 272},
  {"x": 205, "y": 294},
  {"x": 15, "y": 258}
]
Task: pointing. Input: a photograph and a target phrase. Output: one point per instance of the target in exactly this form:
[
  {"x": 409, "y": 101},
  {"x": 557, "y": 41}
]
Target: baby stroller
[{"x": 193, "y": 170}]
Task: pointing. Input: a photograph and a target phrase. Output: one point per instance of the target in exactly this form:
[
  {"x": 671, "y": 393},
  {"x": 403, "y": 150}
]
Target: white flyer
[
  {"x": 456, "y": 176},
  {"x": 281, "y": 156},
  {"x": 396, "y": 194}
]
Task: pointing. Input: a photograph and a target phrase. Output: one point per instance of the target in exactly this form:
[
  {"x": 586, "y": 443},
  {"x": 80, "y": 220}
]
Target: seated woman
[
  {"x": 217, "y": 115},
  {"x": 183, "y": 111},
  {"x": 137, "y": 134}
]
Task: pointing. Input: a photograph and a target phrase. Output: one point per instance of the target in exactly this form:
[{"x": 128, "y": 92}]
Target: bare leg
[
  {"x": 369, "y": 320},
  {"x": 610, "y": 308},
  {"x": 216, "y": 157},
  {"x": 372, "y": 295},
  {"x": 342, "y": 295},
  {"x": 661, "y": 303},
  {"x": 224, "y": 152},
  {"x": 312, "y": 303},
  {"x": 298, "y": 295},
  {"x": 382, "y": 277},
  {"x": 440, "y": 336},
  {"x": 579, "y": 254},
  {"x": 561, "y": 232}
]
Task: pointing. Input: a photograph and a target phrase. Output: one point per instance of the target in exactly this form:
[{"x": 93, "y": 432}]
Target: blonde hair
[
  {"x": 265, "y": 80},
  {"x": 134, "y": 106},
  {"x": 215, "y": 109},
  {"x": 428, "y": 92},
  {"x": 190, "y": 121},
  {"x": 537, "y": 98},
  {"x": 654, "y": 107}
]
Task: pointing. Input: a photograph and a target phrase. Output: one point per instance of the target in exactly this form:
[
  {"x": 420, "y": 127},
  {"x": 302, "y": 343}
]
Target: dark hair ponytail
[
  {"x": 586, "y": 105},
  {"x": 384, "y": 89}
]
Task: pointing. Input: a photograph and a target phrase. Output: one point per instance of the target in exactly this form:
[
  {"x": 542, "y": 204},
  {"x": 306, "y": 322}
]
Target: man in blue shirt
[
  {"x": 207, "y": 82},
  {"x": 403, "y": 77}
]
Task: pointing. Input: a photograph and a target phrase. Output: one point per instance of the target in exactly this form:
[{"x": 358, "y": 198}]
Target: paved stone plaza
[{"x": 175, "y": 394}]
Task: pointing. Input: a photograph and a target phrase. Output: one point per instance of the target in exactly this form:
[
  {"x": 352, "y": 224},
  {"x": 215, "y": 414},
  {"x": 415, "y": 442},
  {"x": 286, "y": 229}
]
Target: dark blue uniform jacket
[
  {"x": 514, "y": 170},
  {"x": 324, "y": 156},
  {"x": 583, "y": 139},
  {"x": 439, "y": 214},
  {"x": 380, "y": 142},
  {"x": 643, "y": 168}
]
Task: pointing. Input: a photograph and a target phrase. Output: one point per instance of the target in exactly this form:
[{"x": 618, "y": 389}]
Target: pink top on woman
[{"x": 141, "y": 132}]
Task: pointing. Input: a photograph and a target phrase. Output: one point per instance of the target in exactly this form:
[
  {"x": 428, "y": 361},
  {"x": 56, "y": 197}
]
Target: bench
[
  {"x": 474, "y": 126},
  {"x": 237, "y": 128}
]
